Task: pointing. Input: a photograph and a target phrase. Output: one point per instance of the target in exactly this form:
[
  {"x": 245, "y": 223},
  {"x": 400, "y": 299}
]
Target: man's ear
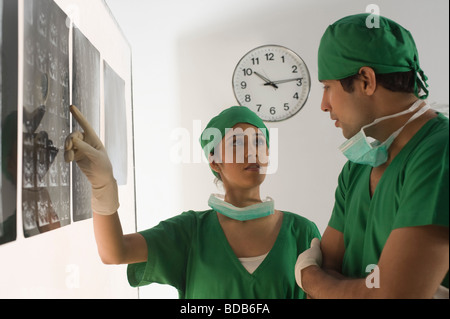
[{"x": 368, "y": 80}]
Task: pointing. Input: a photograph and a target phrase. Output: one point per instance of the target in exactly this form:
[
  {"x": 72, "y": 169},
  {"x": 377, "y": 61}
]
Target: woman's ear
[{"x": 212, "y": 163}]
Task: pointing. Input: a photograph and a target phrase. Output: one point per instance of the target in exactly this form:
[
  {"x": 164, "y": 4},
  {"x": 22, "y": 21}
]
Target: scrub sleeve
[
  {"x": 413, "y": 191},
  {"x": 191, "y": 253}
]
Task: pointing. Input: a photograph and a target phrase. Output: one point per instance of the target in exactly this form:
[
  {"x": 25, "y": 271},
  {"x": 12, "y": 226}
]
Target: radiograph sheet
[
  {"x": 45, "y": 175},
  {"x": 8, "y": 121},
  {"x": 116, "y": 123},
  {"x": 1, "y": 123},
  {"x": 86, "y": 96}
]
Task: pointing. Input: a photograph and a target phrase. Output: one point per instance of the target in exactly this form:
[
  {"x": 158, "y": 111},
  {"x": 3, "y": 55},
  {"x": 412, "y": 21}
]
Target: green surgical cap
[
  {"x": 219, "y": 126},
  {"x": 356, "y": 41}
]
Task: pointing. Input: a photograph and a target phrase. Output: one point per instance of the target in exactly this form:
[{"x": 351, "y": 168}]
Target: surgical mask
[
  {"x": 260, "y": 210},
  {"x": 359, "y": 150}
]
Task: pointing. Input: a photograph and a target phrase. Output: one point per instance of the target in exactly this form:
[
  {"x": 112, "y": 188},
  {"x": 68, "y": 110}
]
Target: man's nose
[{"x": 325, "y": 105}]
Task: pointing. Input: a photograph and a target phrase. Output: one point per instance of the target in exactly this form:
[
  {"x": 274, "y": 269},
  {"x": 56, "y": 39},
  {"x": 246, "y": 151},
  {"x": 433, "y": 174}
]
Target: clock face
[{"x": 272, "y": 81}]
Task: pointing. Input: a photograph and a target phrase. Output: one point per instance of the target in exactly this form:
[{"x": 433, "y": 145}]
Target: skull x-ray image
[
  {"x": 46, "y": 123},
  {"x": 86, "y": 96},
  {"x": 116, "y": 123}
]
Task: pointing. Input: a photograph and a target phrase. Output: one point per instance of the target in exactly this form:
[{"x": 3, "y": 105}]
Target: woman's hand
[{"x": 91, "y": 157}]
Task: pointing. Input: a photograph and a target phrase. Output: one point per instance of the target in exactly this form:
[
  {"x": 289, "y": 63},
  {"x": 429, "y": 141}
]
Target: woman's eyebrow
[{"x": 242, "y": 134}]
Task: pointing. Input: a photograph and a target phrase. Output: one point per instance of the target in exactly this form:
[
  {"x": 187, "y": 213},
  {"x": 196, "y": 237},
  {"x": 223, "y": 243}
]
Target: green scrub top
[
  {"x": 413, "y": 191},
  {"x": 191, "y": 253}
]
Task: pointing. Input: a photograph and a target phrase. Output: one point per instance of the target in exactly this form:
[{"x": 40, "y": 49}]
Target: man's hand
[
  {"x": 311, "y": 256},
  {"x": 91, "y": 156}
]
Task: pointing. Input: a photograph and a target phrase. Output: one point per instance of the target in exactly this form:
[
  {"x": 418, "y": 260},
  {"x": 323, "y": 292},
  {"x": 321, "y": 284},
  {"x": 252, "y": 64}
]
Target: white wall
[
  {"x": 184, "y": 55},
  {"x": 64, "y": 263}
]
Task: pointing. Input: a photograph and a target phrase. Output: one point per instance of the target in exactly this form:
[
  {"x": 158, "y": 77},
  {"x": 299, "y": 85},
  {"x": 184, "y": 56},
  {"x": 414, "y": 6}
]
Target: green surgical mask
[
  {"x": 350, "y": 44},
  {"x": 256, "y": 211},
  {"x": 360, "y": 151}
]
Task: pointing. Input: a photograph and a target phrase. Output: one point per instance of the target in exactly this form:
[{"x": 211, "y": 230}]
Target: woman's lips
[{"x": 253, "y": 167}]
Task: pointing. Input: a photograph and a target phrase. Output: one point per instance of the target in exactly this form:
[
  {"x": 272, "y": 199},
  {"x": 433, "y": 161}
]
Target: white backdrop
[{"x": 184, "y": 55}]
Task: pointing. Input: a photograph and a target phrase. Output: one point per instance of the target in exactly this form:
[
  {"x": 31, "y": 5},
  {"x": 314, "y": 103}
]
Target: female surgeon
[{"x": 242, "y": 248}]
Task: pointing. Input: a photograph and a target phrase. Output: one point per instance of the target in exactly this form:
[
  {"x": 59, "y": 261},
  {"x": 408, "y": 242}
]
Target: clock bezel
[{"x": 288, "y": 51}]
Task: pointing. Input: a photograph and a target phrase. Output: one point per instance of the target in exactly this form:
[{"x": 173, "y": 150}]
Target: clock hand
[
  {"x": 268, "y": 82},
  {"x": 284, "y": 81}
]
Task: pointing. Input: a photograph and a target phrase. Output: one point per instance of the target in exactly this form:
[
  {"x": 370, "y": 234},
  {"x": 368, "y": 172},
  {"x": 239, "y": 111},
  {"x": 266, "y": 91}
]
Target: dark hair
[{"x": 395, "y": 82}]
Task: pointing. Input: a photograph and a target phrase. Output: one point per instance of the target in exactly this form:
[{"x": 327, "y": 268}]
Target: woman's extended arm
[
  {"x": 92, "y": 159},
  {"x": 115, "y": 248}
]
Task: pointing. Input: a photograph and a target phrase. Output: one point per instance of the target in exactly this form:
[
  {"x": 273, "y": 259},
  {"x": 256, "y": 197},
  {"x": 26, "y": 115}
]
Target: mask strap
[
  {"x": 412, "y": 108},
  {"x": 415, "y": 116},
  {"x": 422, "y": 83}
]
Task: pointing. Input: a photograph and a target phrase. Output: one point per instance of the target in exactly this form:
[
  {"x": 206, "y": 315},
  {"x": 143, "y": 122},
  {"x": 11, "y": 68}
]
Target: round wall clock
[{"x": 273, "y": 81}]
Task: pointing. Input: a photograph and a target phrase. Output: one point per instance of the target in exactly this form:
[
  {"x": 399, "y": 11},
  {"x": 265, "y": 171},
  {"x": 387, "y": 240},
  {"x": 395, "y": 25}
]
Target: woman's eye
[
  {"x": 238, "y": 142},
  {"x": 260, "y": 141}
]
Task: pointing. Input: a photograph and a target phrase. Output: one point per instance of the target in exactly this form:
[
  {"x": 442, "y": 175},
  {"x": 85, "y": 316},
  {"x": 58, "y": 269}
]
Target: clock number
[
  {"x": 259, "y": 107},
  {"x": 248, "y": 98},
  {"x": 286, "y": 106},
  {"x": 247, "y": 72},
  {"x": 243, "y": 85},
  {"x": 282, "y": 59},
  {"x": 296, "y": 95},
  {"x": 300, "y": 82},
  {"x": 294, "y": 69},
  {"x": 273, "y": 111},
  {"x": 269, "y": 56},
  {"x": 255, "y": 61}
]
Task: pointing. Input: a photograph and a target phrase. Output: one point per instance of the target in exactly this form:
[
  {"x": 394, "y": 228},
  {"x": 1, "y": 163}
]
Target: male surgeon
[{"x": 388, "y": 233}]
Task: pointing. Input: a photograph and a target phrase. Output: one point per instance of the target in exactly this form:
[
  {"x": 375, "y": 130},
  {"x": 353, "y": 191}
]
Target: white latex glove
[
  {"x": 311, "y": 256},
  {"x": 90, "y": 155},
  {"x": 441, "y": 293}
]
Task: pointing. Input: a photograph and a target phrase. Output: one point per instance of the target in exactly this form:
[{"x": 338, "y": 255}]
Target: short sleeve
[
  {"x": 168, "y": 246},
  {"x": 314, "y": 232},
  {"x": 337, "y": 220},
  {"x": 425, "y": 195}
]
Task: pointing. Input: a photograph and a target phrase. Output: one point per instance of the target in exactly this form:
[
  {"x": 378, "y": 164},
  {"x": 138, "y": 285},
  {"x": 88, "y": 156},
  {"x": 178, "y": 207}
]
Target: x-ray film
[
  {"x": 46, "y": 124},
  {"x": 8, "y": 120},
  {"x": 86, "y": 96},
  {"x": 116, "y": 123}
]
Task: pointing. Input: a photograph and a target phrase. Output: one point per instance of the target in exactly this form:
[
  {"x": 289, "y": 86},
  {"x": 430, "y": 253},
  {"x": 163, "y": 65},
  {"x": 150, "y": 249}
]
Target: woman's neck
[{"x": 243, "y": 198}]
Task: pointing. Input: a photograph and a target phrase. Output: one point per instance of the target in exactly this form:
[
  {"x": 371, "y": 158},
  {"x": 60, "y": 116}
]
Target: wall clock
[{"x": 273, "y": 81}]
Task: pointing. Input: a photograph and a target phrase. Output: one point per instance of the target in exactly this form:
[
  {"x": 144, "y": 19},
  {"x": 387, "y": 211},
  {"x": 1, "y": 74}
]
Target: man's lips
[{"x": 335, "y": 119}]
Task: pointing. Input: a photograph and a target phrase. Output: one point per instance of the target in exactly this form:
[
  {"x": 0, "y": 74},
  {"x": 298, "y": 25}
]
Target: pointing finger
[{"x": 82, "y": 120}]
